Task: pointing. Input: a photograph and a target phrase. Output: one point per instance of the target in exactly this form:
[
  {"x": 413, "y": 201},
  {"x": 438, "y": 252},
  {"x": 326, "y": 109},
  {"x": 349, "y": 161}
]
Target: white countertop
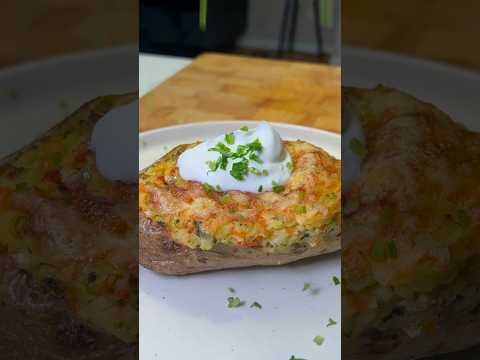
[{"x": 153, "y": 69}]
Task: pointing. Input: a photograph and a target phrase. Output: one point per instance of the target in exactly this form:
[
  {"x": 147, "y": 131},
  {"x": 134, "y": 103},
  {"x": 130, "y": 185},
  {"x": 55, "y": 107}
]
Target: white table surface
[{"x": 154, "y": 69}]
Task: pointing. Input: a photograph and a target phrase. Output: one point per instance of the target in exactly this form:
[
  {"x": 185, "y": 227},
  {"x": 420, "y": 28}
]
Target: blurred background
[{"x": 293, "y": 29}]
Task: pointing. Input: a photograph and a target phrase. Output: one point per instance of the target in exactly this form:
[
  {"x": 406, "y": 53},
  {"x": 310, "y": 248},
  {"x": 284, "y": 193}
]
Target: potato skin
[{"x": 161, "y": 252}]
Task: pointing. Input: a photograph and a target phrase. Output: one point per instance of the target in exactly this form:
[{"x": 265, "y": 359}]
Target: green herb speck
[
  {"x": 230, "y": 138},
  {"x": 336, "y": 280},
  {"x": 319, "y": 340},
  {"x": 234, "y": 302},
  {"x": 306, "y": 286},
  {"x": 300, "y": 209},
  {"x": 331, "y": 322},
  {"x": 358, "y": 148},
  {"x": 244, "y": 128},
  {"x": 277, "y": 188},
  {"x": 256, "y": 304}
]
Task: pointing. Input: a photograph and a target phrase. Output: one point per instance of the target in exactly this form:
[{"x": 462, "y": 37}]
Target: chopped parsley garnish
[
  {"x": 392, "y": 249},
  {"x": 260, "y": 188},
  {"x": 241, "y": 158},
  {"x": 244, "y": 128},
  {"x": 306, "y": 286},
  {"x": 218, "y": 187},
  {"x": 234, "y": 302},
  {"x": 378, "y": 250},
  {"x": 289, "y": 166},
  {"x": 230, "y": 138},
  {"x": 295, "y": 358},
  {"x": 331, "y": 322},
  {"x": 387, "y": 216},
  {"x": 255, "y": 171},
  {"x": 336, "y": 280},
  {"x": 256, "y": 304},
  {"x": 384, "y": 250},
  {"x": 207, "y": 187},
  {"x": 358, "y": 148},
  {"x": 277, "y": 188},
  {"x": 255, "y": 145},
  {"x": 254, "y": 157},
  {"x": 319, "y": 340},
  {"x": 300, "y": 209},
  {"x": 462, "y": 218},
  {"x": 232, "y": 290},
  {"x": 222, "y": 149},
  {"x": 332, "y": 196},
  {"x": 240, "y": 170}
]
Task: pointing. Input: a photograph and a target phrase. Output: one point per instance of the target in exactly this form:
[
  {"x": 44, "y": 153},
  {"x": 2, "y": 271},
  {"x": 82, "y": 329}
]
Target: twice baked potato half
[
  {"x": 188, "y": 227},
  {"x": 68, "y": 246}
]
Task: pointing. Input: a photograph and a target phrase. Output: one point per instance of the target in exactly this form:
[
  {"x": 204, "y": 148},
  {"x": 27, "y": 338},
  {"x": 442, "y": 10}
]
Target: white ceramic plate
[
  {"x": 186, "y": 318},
  {"x": 36, "y": 96}
]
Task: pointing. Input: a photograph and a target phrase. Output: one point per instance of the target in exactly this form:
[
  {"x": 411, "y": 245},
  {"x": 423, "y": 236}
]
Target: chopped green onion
[
  {"x": 244, "y": 128},
  {"x": 232, "y": 290},
  {"x": 260, "y": 188},
  {"x": 336, "y": 280},
  {"x": 289, "y": 166}
]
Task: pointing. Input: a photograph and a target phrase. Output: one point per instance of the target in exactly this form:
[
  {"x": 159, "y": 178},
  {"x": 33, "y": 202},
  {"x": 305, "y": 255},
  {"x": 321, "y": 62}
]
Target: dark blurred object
[
  {"x": 173, "y": 28},
  {"x": 326, "y": 14}
]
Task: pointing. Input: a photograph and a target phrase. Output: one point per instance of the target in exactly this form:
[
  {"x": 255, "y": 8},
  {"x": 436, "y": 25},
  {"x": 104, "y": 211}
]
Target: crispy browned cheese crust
[
  {"x": 186, "y": 227},
  {"x": 68, "y": 244},
  {"x": 411, "y": 231}
]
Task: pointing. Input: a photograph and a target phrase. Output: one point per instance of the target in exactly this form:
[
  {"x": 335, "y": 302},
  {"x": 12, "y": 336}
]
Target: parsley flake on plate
[
  {"x": 319, "y": 340},
  {"x": 234, "y": 302},
  {"x": 336, "y": 280},
  {"x": 306, "y": 286},
  {"x": 331, "y": 322},
  {"x": 232, "y": 290},
  {"x": 256, "y": 304},
  {"x": 244, "y": 128},
  {"x": 295, "y": 358}
]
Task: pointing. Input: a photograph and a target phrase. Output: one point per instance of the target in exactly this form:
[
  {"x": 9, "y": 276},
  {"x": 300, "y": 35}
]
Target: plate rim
[
  {"x": 61, "y": 59},
  {"x": 391, "y": 57},
  {"x": 152, "y": 132}
]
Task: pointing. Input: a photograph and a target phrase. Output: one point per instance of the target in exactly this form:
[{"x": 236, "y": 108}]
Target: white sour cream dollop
[
  {"x": 115, "y": 142},
  {"x": 275, "y": 167}
]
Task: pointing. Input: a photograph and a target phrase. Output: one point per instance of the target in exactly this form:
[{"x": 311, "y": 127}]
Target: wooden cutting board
[{"x": 224, "y": 87}]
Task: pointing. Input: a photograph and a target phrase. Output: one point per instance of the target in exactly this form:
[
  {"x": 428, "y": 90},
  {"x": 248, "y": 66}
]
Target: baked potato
[
  {"x": 68, "y": 248},
  {"x": 411, "y": 232},
  {"x": 188, "y": 227}
]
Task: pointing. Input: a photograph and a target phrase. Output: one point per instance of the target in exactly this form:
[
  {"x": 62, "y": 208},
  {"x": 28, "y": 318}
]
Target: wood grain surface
[{"x": 224, "y": 87}]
